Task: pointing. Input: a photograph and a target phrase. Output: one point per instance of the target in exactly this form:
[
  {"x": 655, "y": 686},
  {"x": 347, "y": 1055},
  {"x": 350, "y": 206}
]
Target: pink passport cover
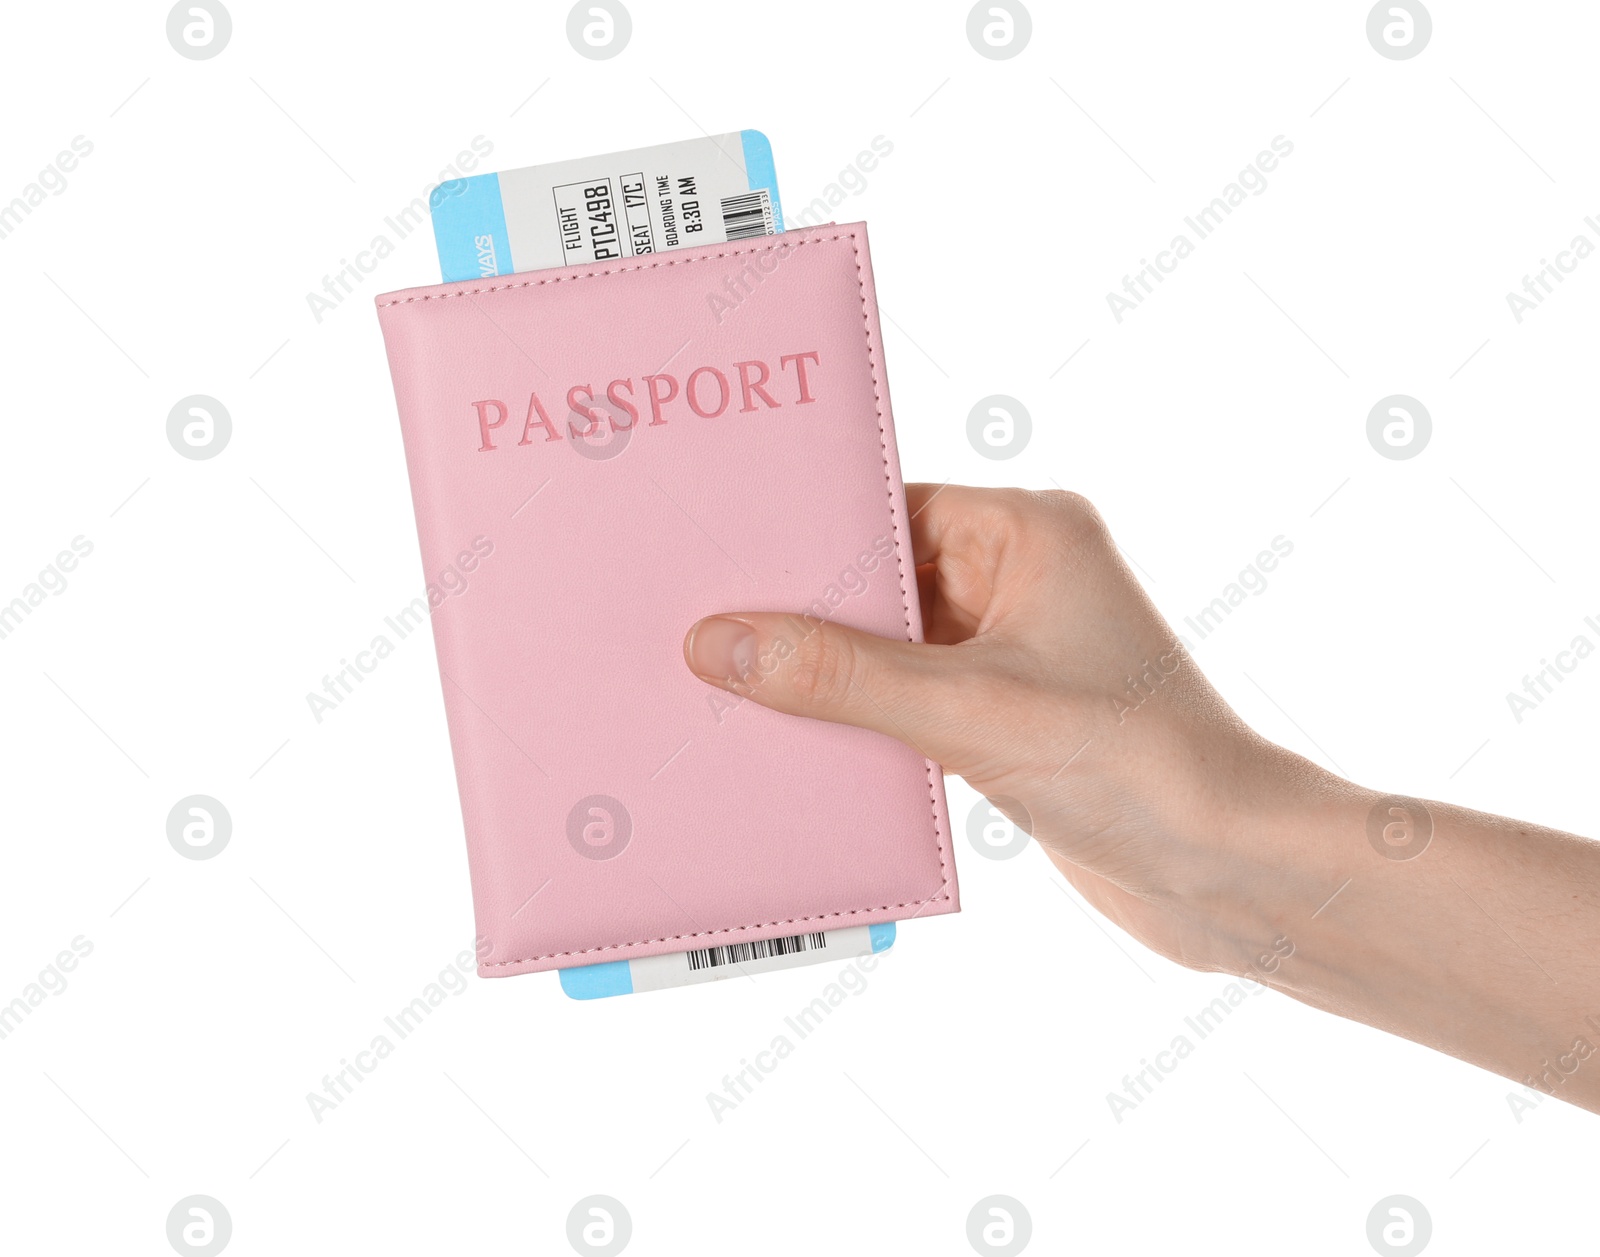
[{"x": 712, "y": 432}]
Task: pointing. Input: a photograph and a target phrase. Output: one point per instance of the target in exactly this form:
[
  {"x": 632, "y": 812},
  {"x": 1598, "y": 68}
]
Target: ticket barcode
[
  {"x": 761, "y": 949},
  {"x": 717, "y": 964},
  {"x": 747, "y": 215}
]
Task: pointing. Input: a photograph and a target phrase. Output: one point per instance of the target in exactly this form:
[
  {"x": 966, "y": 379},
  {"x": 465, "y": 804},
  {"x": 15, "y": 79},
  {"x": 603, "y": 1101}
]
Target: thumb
[{"x": 808, "y": 667}]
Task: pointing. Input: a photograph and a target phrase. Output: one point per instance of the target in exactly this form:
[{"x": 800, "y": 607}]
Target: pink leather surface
[{"x": 562, "y": 656}]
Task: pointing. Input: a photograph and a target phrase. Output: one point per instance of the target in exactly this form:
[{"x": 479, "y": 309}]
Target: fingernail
[{"x": 721, "y": 649}]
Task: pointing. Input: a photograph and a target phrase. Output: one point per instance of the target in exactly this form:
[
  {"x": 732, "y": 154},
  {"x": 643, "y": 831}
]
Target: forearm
[{"x": 1481, "y": 940}]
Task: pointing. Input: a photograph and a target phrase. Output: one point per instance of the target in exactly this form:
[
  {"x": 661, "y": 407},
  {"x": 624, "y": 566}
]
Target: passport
[{"x": 646, "y": 441}]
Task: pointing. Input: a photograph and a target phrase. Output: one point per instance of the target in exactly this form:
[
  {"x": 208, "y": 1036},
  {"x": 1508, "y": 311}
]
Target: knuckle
[
  {"x": 823, "y": 667},
  {"x": 1075, "y": 515}
]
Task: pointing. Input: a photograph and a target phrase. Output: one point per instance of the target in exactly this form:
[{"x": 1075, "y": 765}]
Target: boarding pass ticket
[{"x": 707, "y": 190}]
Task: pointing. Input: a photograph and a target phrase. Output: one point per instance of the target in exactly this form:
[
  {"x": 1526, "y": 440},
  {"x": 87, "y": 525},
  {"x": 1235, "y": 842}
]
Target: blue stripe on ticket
[
  {"x": 598, "y": 981},
  {"x": 759, "y": 169},
  {"x": 469, "y": 228}
]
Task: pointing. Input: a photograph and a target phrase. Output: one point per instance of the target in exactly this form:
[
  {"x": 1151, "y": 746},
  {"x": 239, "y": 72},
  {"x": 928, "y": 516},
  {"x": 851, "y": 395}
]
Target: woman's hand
[{"x": 1054, "y": 687}]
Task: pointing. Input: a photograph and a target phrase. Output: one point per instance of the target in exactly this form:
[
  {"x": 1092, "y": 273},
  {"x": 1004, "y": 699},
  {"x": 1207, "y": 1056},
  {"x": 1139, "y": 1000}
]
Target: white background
[{"x": 978, "y": 1059}]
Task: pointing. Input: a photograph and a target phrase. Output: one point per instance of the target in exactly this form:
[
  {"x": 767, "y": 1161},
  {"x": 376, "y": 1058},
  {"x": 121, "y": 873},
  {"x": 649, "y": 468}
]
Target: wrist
[{"x": 1289, "y": 838}]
